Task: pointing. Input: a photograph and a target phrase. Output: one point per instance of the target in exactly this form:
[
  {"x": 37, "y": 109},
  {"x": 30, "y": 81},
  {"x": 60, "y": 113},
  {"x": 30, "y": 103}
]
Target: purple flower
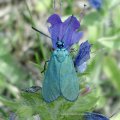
[
  {"x": 82, "y": 56},
  {"x": 86, "y": 90},
  {"x": 94, "y": 116},
  {"x": 95, "y": 3},
  {"x": 65, "y": 31},
  {"x": 82, "y": 67}
]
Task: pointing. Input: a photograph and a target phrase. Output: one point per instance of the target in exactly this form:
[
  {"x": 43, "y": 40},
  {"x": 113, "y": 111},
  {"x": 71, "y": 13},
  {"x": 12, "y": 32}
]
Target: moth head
[{"x": 60, "y": 44}]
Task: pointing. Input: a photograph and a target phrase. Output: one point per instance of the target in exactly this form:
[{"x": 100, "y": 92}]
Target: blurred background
[{"x": 23, "y": 52}]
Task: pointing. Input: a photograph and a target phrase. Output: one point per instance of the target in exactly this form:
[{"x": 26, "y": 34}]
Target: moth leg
[
  {"x": 45, "y": 65},
  {"x": 73, "y": 50}
]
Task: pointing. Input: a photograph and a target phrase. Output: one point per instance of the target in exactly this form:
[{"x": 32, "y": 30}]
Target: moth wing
[
  {"x": 51, "y": 85},
  {"x": 69, "y": 83}
]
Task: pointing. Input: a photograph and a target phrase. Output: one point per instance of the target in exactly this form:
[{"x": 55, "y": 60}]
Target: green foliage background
[{"x": 23, "y": 53}]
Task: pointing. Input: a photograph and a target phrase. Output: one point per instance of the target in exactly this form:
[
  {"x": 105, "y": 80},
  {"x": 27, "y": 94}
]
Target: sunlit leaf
[
  {"x": 43, "y": 5},
  {"x": 112, "y": 42},
  {"x": 92, "y": 18},
  {"x": 115, "y": 117},
  {"x": 112, "y": 71}
]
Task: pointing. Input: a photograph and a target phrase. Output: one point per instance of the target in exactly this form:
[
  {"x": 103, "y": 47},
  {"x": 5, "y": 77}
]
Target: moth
[{"x": 61, "y": 77}]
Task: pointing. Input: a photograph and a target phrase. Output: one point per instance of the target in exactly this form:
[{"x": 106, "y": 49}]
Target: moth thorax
[{"x": 60, "y": 54}]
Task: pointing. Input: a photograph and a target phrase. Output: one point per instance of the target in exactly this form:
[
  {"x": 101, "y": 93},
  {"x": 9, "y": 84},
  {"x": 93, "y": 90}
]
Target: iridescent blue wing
[
  {"x": 94, "y": 116},
  {"x": 51, "y": 89},
  {"x": 69, "y": 82}
]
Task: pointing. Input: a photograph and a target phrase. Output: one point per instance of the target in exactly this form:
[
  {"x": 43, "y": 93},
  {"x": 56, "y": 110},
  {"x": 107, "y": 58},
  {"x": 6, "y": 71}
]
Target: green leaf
[
  {"x": 113, "y": 3},
  {"x": 116, "y": 16},
  {"x": 116, "y": 117},
  {"x": 112, "y": 71},
  {"x": 2, "y": 81},
  {"x": 25, "y": 111},
  {"x": 61, "y": 109},
  {"x": 11, "y": 104},
  {"x": 112, "y": 42},
  {"x": 11, "y": 69},
  {"x": 4, "y": 46},
  {"x": 93, "y": 32},
  {"x": 83, "y": 104},
  {"x": 43, "y": 5},
  {"x": 92, "y": 18}
]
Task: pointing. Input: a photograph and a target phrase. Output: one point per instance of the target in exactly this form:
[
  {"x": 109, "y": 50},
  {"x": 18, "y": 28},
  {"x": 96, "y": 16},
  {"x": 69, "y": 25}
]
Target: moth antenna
[
  {"x": 41, "y": 32},
  {"x": 82, "y": 13}
]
